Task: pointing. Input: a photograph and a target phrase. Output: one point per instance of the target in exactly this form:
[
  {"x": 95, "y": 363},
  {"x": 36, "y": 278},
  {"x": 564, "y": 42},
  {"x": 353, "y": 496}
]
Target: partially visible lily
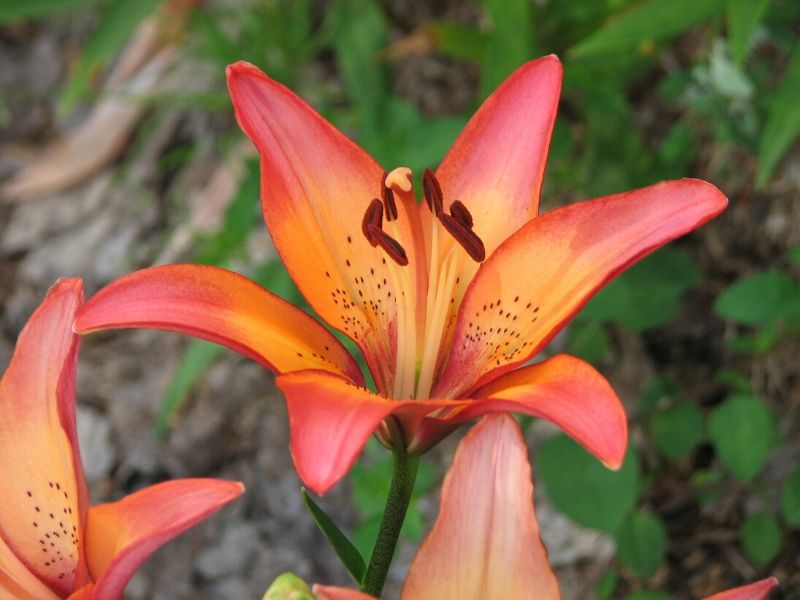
[
  {"x": 445, "y": 299},
  {"x": 52, "y": 543},
  {"x": 485, "y": 544}
]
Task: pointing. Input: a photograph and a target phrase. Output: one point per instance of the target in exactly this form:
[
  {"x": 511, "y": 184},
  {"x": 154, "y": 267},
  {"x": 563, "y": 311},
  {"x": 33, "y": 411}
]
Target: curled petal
[
  {"x": 485, "y": 542},
  {"x": 223, "y": 307},
  {"x": 567, "y": 391},
  {"x": 331, "y": 419},
  {"x": 755, "y": 591},
  {"x": 121, "y": 535},
  {"x": 43, "y": 495},
  {"x": 542, "y": 275}
]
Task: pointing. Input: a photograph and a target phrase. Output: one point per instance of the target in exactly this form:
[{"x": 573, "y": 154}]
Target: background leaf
[
  {"x": 783, "y": 121},
  {"x": 760, "y": 299},
  {"x": 582, "y": 488},
  {"x": 743, "y": 16},
  {"x": 648, "y": 22},
  {"x": 761, "y": 537},
  {"x": 647, "y": 294},
  {"x": 790, "y": 499},
  {"x": 114, "y": 29},
  {"x": 677, "y": 430},
  {"x": 509, "y": 42},
  {"x": 21, "y": 10},
  {"x": 743, "y": 431},
  {"x": 641, "y": 544}
]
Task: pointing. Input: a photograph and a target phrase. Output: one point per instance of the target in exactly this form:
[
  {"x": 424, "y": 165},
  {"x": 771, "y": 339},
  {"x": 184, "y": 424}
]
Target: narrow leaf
[
  {"x": 198, "y": 357},
  {"x": 114, "y": 29},
  {"x": 510, "y": 42},
  {"x": 344, "y": 548},
  {"x": 743, "y": 17},
  {"x": 20, "y": 10},
  {"x": 783, "y": 121},
  {"x": 649, "y": 22}
]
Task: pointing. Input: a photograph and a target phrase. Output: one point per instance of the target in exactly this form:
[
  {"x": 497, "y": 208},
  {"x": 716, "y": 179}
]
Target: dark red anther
[
  {"x": 461, "y": 214},
  {"x": 389, "y": 204},
  {"x": 468, "y": 239},
  {"x": 390, "y": 245},
  {"x": 433, "y": 192},
  {"x": 373, "y": 217}
]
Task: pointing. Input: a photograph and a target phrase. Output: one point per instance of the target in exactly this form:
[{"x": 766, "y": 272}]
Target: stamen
[
  {"x": 461, "y": 213},
  {"x": 468, "y": 239},
  {"x": 433, "y": 192},
  {"x": 387, "y": 195},
  {"x": 391, "y": 246},
  {"x": 374, "y": 217},
  {"x": 389, "y": 204},
  {"x": 399, "y": 179}
]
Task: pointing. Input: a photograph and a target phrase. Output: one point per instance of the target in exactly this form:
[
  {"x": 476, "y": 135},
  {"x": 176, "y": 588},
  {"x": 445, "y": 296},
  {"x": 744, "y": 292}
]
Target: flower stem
[{"x": 404, "y": 473}]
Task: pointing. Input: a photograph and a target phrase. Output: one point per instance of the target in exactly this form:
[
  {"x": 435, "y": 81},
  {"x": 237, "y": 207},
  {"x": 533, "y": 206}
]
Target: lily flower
[
  {"x": 485, "y": 544},
  {"x": 52, "y": 543},
  {"x": 447, "y": 299}
]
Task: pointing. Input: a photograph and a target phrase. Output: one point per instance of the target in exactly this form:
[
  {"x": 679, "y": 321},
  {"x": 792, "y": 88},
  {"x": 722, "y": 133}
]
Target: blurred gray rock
[{"x": 94, "y": 437}]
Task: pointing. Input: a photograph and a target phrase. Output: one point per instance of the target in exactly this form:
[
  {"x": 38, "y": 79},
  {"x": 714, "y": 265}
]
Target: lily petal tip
[{"x": 240, "y": 67}]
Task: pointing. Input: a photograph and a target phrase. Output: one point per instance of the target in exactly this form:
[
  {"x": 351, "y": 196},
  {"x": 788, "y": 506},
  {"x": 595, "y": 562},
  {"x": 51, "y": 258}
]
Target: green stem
[{"x": 404, "y": 474}]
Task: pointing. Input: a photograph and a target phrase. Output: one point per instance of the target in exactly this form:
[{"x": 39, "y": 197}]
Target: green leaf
[
  {"x": 114, "y": 29},
  {"x": 790, "y": 499},
  {"x": 459, "y": 41},
  {"x": 743, "y": 17},
  {"x": 646, "y": 295},
  {"x": 20, "y": 10},
  {"x": 589, "y": 341},
  {"x": 242, "y": 214},
  {"x": 359, "y": 34},
  {"x": 677, "y": 430},
  {"x": 582, "y": 488},
  {"x": 197, "y": 358},
  {"x": 288, "y": 586},
  {"x": 648, "y": 595},
  {"x": 641, "y": 544},
  {"x": 793, "y": 255},
  {"x": 604, "y": 587},
  {"x": 509, "y": 42},
  {"x": 743, "y": 431},
  {"x": 761, "y": 537},
  {"x": 783, "y": 121},
  {"x": 345, "y": 550},
  {"x": 759, "y": 299},
  {"x": 646, "y": 23},
  {"x": 660, "y": 391}
]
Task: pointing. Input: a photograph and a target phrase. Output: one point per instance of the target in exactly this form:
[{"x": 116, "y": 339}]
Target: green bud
[{"x": 288, "y": 586}]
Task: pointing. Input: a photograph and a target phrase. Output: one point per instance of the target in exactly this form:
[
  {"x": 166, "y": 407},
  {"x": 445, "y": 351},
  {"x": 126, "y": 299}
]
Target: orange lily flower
[
  {"x": 52, "y": 543},
  {"x": 445, "y": 299},
  {"x": 485, "y": 543}
]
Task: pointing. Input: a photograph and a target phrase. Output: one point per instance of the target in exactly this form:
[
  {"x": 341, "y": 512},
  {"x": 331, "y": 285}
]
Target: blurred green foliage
[{"x": 722, "y": 72}]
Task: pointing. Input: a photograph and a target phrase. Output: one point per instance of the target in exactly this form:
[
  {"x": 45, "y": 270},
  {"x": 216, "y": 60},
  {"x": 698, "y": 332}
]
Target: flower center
[{"x": 418, "y": 340}]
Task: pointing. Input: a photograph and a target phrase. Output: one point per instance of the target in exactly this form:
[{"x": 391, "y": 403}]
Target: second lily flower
[{"x": 446, "y": 299}]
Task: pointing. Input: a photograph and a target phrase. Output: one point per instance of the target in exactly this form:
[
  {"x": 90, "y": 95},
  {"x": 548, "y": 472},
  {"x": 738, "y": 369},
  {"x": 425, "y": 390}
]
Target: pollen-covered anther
[
  {"x": 433, "y": 192},
  {"x": 373, "y": 216},
  {"x": 391, "y": 246},
  {"x": 388, "y": 202},
  {"x": 468, "y": 239}
]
